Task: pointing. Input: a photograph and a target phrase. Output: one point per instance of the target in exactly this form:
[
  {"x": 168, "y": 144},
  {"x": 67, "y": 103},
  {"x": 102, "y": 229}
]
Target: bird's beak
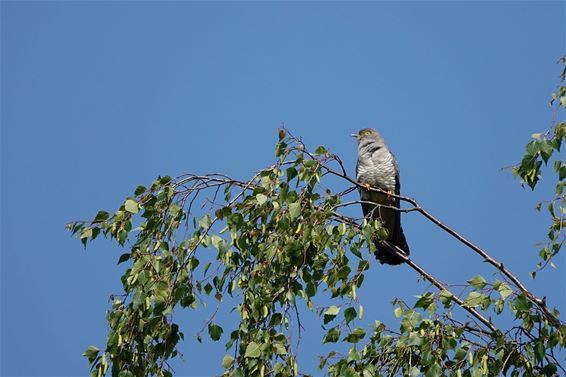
[{"x": 355, "y": 136}]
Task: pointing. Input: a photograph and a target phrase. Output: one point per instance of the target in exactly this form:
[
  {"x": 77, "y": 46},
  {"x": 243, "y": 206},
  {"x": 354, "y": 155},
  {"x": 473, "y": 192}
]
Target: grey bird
[{"x": 378, "y": 168}]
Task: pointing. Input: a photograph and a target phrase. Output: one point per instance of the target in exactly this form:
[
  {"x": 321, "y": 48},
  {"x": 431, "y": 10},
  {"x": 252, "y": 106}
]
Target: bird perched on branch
[{"x": 377, "y": 168}]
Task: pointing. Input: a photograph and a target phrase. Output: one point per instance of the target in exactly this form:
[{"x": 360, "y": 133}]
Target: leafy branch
[
  {"x": 540, "y": 151},
  {"x": 415, "y": 206},
  {"x": 280, "y": 237}
]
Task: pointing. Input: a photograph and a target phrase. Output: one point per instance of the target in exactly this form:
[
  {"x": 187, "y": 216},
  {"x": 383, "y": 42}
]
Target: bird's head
[{"x": 368, "y": 134}]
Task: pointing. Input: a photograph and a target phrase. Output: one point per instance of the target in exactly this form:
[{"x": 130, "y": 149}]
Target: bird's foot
[
  {"x": 389, "y": 195},
  {"x": 367, "y": 186}
]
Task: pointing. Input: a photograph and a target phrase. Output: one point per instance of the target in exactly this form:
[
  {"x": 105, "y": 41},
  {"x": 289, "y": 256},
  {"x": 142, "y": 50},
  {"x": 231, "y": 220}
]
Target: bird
[{"x": 377, "y": 168}]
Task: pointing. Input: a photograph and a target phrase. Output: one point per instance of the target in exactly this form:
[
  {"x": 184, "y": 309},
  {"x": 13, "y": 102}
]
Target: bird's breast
[{"x": 377, "y": 171}]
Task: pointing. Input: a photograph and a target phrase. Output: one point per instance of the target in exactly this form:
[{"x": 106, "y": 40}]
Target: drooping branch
[
  {"x": 202, "y": 182},
  {"x": 430, "y": 278},
  {"x": 486, "y": 256},
  {"x": 284, "y": 242},
  {"x": 399, "y": 253},
  {"x": 416, "y": 207},
  {"x": 219, "y": 179}
]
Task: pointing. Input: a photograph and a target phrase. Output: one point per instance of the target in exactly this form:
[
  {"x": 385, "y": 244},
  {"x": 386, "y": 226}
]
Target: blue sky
[{"x": 99, "y": 97}]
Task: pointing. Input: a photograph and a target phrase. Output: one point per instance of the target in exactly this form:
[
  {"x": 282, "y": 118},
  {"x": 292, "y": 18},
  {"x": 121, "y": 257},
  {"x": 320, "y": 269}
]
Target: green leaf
[
  {"x": 411, "y": 318},
  {"x": 214, "y": 331},
  {"x": 139, "y": 300},
  {"x": 91, "y": 353},
  {"x": 353, "y": 355},
  {"x": 261, "y": 199},
  {"x": 122, "y": 236},
  {"x": 474, "y": 299},
  {"x": 446, "y": 298},
  {"x": 279, "y": 349},
  {"x": 333, "y": 310},
  {"x": 342, "y": 229},
  {"x": 415, "y": 339},
  {"x": 86, "y": 234},
  {"x": 434, "y": 370},
  {"x": 124, "y": 257},
  {"x": 350, "y": 314},
  {"x": 460, "y": 354},
  {"x": 164, "y": 180},
  {"x": 320, "y": 150},
  {"x": 332, "y": 336},
  {"x": 233, "y": 338},
  {"x": 424, "y": 301},
  {"x": 291, "y": 173},
  {"x": 355, "y": 336},
  {"x": 521, "y": 303},
  {"x": 101, "y": 216},
  {"x": 131, "y": 206},
  {"x": 278, "y": 368},
  {"x": 329, "y": 317},
  {"x": 478, "y": 282},
  {"x": 398, "y": 311},
  {"x": 280, "y": 148},
  {"x": 139, "y": 190},
  {"x": 294, "y": 210},
  {"x": 205, "y": 222},
  {"x": 540, "y": 351},
  {"x": 503, "y": 289},
  {"x": 215, "y": 241},
  {"x": 265, "y": 179},
  {"x": 348, "y": 372},
  {"x": 253, "y": 350},
  {"x": 227, "y": 362},
  {"x": 414, "y": 372},
  {"x": 382, "y": 233},
  {"x": 208, "y": 288},
  {"x": 311, "y": 289},
  {"x": 370, "y": 371}
]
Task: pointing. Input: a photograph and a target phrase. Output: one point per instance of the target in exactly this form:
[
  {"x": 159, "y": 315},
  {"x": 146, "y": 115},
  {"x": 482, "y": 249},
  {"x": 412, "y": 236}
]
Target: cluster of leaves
[
  {"x": 431, "y": 342},
  {"x": 277, "y": 237},
  {"x": 142, "y": 335},
  {"x": 540, "y": 151}
]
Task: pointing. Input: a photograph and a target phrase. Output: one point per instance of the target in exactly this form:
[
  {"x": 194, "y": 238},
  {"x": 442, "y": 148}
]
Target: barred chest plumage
[{"x": 377, "y": 169}]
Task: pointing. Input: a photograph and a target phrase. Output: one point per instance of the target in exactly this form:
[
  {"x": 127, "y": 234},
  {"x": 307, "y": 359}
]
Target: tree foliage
[
  {"x": 540, "y": 152},
  {"x": 282, "y": 237}
]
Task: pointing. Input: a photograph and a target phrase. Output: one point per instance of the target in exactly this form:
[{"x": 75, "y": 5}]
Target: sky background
[{"x": 99, "y": 97}]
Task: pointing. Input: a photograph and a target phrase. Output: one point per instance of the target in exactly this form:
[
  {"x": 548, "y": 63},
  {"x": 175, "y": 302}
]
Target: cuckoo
[{"x": 377, "y": 168}]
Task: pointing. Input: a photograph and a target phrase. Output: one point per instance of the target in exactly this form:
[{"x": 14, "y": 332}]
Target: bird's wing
[
  {"x": 397, "y": 232},
  {"x": 389, "y": 216},
  {"x": 397, "y": 176}
]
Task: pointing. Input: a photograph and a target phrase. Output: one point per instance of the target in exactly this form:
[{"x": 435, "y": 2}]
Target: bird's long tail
[{"x": 387, "y": 254}]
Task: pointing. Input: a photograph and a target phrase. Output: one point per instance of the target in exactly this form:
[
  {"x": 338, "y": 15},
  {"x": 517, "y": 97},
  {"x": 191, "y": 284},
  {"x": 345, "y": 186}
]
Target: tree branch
[
  {"x": 416, "y": 207},
  {"x": 442, "y": 287}
]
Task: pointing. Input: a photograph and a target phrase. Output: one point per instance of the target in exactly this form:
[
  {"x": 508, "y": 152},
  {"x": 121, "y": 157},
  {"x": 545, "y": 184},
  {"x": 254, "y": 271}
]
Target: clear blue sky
[{"x": 98, "y": 97}]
